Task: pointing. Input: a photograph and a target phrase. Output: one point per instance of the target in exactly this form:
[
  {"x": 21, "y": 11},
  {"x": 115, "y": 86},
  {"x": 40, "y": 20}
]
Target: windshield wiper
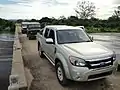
[
  {"x": 74, "y": 42},
  {"x": 87, "y": 41}
]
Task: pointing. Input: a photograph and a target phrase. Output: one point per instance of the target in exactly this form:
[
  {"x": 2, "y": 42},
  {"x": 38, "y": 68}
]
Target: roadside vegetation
[
  {"x": 7, "y": 26},
  {"x": 93, "y": 25}
]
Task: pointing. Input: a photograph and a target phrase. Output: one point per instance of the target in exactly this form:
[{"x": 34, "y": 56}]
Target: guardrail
[{"x": 17, "y": 78}]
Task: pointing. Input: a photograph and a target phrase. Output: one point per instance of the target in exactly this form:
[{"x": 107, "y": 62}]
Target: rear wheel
[{"x": 60, "y": 72}]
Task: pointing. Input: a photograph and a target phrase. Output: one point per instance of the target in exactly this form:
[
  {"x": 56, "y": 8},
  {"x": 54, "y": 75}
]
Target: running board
[{"x": 49, "y": 59}]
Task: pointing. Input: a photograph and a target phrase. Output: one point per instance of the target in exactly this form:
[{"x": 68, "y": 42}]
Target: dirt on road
[{"x": 45, "y": 76}]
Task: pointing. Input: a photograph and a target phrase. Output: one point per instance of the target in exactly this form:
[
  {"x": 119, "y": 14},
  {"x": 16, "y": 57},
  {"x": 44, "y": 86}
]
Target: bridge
[{"x": 21, "y": 78}]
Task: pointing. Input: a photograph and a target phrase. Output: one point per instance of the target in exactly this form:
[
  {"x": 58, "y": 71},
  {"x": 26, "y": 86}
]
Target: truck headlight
[{"x": 77, "y": 61}]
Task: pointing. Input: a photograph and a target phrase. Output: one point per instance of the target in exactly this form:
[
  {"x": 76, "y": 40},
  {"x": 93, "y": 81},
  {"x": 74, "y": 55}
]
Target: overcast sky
[{"x": 28, "y": 9}]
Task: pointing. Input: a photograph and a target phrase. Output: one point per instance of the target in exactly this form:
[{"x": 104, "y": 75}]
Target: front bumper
[{"x": 85, "y": 74}]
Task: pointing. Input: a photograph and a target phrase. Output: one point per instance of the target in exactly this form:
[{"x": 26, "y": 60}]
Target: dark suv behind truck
[
  {"x": 24, "y": 30},
  {"x": 32, "y": 31}
]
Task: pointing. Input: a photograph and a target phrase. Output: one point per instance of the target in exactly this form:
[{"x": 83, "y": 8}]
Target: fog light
[{"x": 78, "y": 76}]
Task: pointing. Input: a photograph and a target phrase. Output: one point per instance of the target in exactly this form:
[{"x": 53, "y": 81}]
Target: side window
[
  {"x": 46, "y": 33},
  {"x": 52, "y": 35}
]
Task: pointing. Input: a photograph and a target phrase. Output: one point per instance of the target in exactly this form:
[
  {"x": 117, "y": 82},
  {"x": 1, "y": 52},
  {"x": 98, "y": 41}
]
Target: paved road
[{"x": 45, "y": 77}]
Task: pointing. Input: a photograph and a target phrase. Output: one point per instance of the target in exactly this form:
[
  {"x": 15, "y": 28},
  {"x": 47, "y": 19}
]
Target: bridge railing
[{"x": 17, "y": 78}]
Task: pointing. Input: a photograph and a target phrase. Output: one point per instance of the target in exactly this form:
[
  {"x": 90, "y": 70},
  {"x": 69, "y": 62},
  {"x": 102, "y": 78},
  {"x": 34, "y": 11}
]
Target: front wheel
[{"x": 60, "y": 72}]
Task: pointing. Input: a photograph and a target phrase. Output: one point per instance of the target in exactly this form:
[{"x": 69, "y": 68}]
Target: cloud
[
  {"x": 34, "y": 9},
  {"x": 28, "y": 9},
  {"x": 49, "y": 2},
  {"x": 116, "y": 1},
  {"x": 54, "y": 2}
]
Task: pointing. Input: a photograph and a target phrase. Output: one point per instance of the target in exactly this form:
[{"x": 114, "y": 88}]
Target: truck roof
[
  {"x": 62, "y": 27},
  {"x": 30, "y": 23}
]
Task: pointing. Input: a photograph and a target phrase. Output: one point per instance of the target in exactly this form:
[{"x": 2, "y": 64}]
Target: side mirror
[{"x": 49, "y": 41}]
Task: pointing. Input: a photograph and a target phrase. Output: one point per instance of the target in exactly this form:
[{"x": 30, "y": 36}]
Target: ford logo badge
[{"x": 102, "y": 63}]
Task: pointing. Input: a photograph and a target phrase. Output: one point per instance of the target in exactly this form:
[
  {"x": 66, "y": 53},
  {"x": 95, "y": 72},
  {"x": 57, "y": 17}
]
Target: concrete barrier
[
  {"x": 119, "y": 65},
  {"x": 17, "y": 72}
]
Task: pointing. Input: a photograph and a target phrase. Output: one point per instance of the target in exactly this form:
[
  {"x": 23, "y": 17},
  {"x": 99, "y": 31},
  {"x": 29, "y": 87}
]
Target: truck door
[
  {"x": 51, "y": 47},
  {"x": 45, "y": 36}
]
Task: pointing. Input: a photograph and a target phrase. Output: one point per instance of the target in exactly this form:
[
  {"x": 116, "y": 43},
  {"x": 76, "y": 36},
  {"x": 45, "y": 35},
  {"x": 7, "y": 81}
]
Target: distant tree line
[
  {"x": 112, "y": 24},
  {"x": 7, "y": 26}
]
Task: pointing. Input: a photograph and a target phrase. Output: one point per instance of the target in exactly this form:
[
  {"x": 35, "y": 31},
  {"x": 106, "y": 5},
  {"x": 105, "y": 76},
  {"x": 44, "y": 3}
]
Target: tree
[
  {"x": 61, "y": 20},
  {"x": 19, "y": 20},
  {"x": 45, "y": 19},
  {"x": 113, "y": 18},
  {"x": 117, "y": 12},
  {"x": 85, "y": 9},
  {"x": 61, "y": 17},
  {"x": 33, "y": 20}
]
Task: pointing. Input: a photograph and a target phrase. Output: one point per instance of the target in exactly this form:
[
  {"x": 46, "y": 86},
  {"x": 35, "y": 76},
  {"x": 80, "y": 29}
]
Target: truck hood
[{"x": 87, "y": 49}]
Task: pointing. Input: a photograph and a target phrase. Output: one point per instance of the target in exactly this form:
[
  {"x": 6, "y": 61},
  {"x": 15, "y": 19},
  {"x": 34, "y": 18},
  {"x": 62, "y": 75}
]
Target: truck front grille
[
  {"x": 100, "y": 63},
  {"x": 100, "y": 75},
  {"x": 33, "y": 32}
]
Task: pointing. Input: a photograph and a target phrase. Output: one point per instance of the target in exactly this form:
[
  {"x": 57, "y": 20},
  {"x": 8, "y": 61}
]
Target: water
[
  {"x": 6, "y": 54},
  {"x": 109, "y": 40},
  {"x": 6, "y": 37}
]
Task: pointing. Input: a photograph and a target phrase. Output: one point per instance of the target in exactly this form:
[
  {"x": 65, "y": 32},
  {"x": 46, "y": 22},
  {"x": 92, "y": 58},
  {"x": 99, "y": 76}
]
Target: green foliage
[
  {"x": 6, "y": 26},
  {"x": 92, "y": 25}
]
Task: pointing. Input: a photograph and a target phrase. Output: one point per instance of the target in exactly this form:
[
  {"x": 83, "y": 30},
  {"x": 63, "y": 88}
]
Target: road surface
[{"x": 45, "y": 76}]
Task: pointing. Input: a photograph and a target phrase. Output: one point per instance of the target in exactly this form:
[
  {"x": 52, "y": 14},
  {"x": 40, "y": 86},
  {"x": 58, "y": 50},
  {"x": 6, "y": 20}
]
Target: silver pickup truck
[{"x": 74, "y": 54}]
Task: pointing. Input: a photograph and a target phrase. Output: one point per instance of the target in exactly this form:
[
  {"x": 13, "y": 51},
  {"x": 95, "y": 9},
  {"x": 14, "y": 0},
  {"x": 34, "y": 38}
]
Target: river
[{"x": 6, "y": 54}]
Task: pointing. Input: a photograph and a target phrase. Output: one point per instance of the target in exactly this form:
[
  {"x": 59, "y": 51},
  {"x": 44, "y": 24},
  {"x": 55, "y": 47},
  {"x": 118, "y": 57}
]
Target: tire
[
  {"x": 62, "y": 80},
  {"x": 40, "y": 51},
  {"x": 29, "y": 38},
  {"x": 38, "y": 45}
]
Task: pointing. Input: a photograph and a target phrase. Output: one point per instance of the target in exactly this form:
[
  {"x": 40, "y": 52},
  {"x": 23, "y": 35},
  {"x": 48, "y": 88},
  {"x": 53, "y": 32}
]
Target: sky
[{"x": 36, "y": 9}]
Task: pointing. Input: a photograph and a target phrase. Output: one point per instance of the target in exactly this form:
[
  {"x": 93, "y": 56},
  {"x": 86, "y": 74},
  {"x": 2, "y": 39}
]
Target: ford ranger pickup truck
[{"x": 74, "y": 54}]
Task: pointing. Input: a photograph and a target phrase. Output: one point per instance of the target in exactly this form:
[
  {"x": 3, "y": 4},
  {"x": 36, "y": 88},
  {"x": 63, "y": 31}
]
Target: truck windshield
[{"x": 72, "y": 36}]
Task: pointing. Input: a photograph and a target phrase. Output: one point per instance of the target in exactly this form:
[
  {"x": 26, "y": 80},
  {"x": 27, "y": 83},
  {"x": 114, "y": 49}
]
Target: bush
[{"x": 7, "y": 26}]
